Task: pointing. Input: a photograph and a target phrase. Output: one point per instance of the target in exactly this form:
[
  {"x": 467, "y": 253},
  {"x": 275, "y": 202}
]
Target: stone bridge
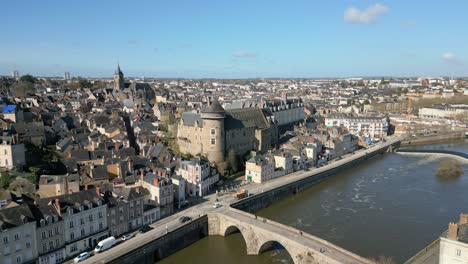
[{"x": 261, "y": 234}]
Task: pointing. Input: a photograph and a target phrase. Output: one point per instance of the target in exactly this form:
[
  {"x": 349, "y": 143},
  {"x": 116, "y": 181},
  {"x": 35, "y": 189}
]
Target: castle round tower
[{"x": 213, "y": 131}]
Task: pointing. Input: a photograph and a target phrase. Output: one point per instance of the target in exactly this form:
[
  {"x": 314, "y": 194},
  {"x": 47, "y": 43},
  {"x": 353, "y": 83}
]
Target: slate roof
[
  {"x": 214, "y": 107},
  {"x": 16, "y": 216},
  {"x": 245, "y": 118},
  {"x": 74, "y": 200},
  {"x": 189, "y": 119}
]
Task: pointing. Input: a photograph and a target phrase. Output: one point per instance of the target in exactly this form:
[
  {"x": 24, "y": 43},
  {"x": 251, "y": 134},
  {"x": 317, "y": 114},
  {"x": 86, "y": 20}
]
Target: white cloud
[
  {"x": 448, "y": 56},
  {"x": 244, "y": 54},
  {"x": 354, "y": 15}
]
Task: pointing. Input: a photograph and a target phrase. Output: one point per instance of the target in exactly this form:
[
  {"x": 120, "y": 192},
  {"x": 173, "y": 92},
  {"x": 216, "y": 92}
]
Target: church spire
[{"x": 119, "y": 82}]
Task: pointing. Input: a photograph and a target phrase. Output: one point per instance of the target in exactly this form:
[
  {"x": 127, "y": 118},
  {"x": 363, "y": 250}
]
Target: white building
[
  {"x": 373, "y": 127},
  {"x": 443, "y": 111},
  {"x": 454, "y": 247},
  {"x": 85, "y": 219},
  {"x": 11, "y": 155},
  {"x": 199, "y": 175}
]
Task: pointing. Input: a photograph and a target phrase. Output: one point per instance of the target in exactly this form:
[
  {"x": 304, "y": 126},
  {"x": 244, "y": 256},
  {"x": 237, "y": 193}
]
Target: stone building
[
  {"x": 18, "y": 235},
  {"x": 53, "y": 185},
  {"x": 85, "y": 219},
  {"x": 50, "y": 234},
  {"x": 214, "y": 132},
  {"x": 160, "y": 190},
  {"x": 125, "y": 210}
]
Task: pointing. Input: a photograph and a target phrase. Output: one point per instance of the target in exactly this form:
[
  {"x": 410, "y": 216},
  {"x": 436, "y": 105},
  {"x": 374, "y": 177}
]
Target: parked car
[
  {"x": 82, "y": 257},
  {"x": 145, "y": 229},
  {"x": 217, "y": 205},
  {"x": 184, "y": 219},
  {"x": 105, "y": 244},
  {"x": 127, "y": 237}
]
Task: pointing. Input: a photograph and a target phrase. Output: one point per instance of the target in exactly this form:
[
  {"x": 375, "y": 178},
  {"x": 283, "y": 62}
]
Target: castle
[{"x": 214, "y": 131}]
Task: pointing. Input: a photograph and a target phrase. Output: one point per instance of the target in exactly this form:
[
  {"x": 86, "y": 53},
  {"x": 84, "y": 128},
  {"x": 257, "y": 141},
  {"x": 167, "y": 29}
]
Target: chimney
[
  {"x": 130, "y": 165},
  {"x": 463, "y": 219},
  {"x": 452, "y": 231},
  {"x": 142, "y": 175},
  {"x": 86, "y": 187},
  {"x": 116, "y": 145},
  {"x": 137, "y": 190},
  {"x": 98, "y": 190},
  {"x": 57, "y": 206},
  {"x": 156, "y": 181}
]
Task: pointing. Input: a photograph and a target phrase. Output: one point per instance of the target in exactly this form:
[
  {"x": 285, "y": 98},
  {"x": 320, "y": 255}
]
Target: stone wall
[{"x": 164, "y": 246}]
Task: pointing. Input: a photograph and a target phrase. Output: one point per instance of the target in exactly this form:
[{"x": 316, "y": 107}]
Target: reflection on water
[
  {"x": 225, "y": 250},
  {"x": 393, "y": 206}
]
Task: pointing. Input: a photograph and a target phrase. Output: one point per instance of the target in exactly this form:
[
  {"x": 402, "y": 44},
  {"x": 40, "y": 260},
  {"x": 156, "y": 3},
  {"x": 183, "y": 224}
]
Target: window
[
  {"x": 72, "y": 236},
  {"x": 82, "y": 232},
  {"x": 56, "y": 230},
  {"x": 100, "y": 214},
  {"x": 5, "y": 240},
  {"x": 16, "y": 236},
  {"x": 100, "y": 225},
  {"x": 44, "y": 247},
  {"x": 213, "y": 141},
  {"x": 28, "y": 244},
  {"x": 5, "y": 152},
  {"x": 90, "y": 218},
  {"x": 213, "y": 131},
  {"x": 74, "y": 248},
  {"x": 56, "y": 243},
  {"x": 51, "y": 245},
  {"x": 82, "y": 221},
  {"x": 71, "y": 224},
  {"x": 50, "y": 232},
  {"x": 458, "y": 252},
  {"x": 91, "y": 229},
  {"x": 18, "y": 260}
]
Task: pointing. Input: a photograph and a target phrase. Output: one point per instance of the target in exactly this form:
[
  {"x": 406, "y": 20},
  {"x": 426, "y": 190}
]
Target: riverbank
[{"x": 425, "y": 140}]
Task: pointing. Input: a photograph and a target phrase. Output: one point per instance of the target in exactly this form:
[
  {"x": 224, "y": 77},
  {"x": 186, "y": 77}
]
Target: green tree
[
  {"x": 233, "y": 160},
  {"x": 21, "y": 88},
  {"x": 83, "y": 83},
  {"x": 5, "y": 179},
  {"x": 28, "y": 79}
]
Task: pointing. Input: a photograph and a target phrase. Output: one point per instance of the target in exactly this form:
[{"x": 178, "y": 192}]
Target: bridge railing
[{"x": 300, "y": 233}]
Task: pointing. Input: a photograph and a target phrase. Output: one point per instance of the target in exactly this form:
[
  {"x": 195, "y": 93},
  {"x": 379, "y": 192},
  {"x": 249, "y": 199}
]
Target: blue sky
[{"x": 235, "y": 39}]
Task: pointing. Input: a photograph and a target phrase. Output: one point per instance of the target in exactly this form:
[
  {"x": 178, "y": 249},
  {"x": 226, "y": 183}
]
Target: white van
[{"x": 105, "y": 244}]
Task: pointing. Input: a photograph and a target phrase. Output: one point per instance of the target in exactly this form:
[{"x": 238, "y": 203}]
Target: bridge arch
[{"x": 250, "y": 239}]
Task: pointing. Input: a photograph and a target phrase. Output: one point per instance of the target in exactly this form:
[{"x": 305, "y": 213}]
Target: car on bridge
[
  {"x": 145, "y": 229},
  {"x": 184, "y": 219},
  {"x": 127, "y": 237},
  {"x": 217, "y": 205},
  {"x": 82, "y": 257}
]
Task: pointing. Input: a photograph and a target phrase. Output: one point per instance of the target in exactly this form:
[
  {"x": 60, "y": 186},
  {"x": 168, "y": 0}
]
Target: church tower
[{"x": 119, "y": 82}]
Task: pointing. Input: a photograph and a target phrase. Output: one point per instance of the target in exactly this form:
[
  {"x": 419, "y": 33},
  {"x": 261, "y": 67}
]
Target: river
[{"x": 393, "y": 205}]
